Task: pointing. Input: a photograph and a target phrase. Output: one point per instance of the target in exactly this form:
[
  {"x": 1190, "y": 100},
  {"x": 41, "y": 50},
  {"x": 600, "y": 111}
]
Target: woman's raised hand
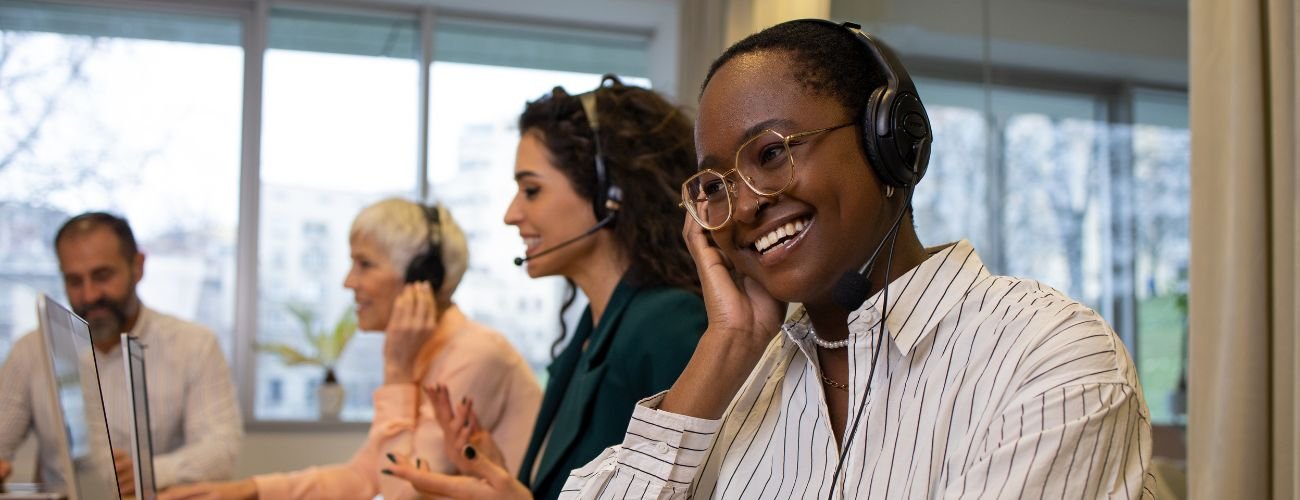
[
  {"x": 739, "y": 308},
  {"x": 743, "y": 318},
  {"x": 411, "y": 323},
  {"x": 461, "y": 429}
]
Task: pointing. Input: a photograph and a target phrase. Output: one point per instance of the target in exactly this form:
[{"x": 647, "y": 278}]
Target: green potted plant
[{"x": 324, "y": 347}]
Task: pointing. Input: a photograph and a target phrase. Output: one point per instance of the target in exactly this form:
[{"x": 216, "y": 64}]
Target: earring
[{"x": 889, "y": 191}]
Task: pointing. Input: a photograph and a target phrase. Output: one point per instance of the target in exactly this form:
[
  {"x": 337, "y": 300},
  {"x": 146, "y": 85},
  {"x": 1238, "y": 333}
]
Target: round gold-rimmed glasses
[{"x": 764, "y": 163}]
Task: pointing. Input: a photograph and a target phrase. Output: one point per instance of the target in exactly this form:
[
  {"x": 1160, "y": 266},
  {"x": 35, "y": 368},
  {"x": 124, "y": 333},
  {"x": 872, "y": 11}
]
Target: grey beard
[{"x": 106, "y": 329}]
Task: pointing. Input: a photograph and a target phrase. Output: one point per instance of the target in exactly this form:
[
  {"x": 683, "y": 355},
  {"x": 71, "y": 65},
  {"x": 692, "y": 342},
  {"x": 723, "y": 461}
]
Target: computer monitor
[
  {"x": 141, "y": 439},
  {"x": 85, "y": 449}
]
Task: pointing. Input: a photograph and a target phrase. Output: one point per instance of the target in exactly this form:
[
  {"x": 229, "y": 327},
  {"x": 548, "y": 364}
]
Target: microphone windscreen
[
  {"x": 519, "y": 261},
  {"x": 851, "y": 291}
]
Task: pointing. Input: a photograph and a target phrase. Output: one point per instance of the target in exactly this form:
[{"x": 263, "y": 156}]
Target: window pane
[
  {"x": 1161, "y": 145},
  {"x": 147, "y": 128},
  {"x": 950, "y": 200},
  {"x": 339, "y": 132},
  {"x": 1054, "y": 152},
  {"x": 472, "y": 152}
]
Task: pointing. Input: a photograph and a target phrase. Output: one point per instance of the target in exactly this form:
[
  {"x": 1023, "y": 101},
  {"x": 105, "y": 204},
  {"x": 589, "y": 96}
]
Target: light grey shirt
[{"x": 194, "y": 415}]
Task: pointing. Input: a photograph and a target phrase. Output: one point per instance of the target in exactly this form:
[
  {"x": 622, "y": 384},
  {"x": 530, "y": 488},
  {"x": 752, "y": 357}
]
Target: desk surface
[{"x": 27, "y": 491}]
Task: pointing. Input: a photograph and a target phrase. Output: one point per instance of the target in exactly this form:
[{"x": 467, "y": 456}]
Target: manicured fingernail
[
  {"x": 463, "y": 400},
  {"x": 391, "y": 458},
  {"x": 470, "y": 452},
  {"x": 386, "y": 471},
  {"x": 417, "y": 463}
]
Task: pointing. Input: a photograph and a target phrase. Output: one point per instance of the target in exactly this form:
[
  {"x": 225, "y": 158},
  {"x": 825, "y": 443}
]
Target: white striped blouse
[{"x": 990, "y": 387}]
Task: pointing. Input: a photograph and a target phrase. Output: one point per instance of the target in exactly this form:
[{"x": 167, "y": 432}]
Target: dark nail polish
[
  {"x": 391, "y": 458},
  {"x": 470, "y": 452},
  {"x": 386, "y": 471},
  {"x": 417, "y": 463},
  {"x": 464, "y": 400}
]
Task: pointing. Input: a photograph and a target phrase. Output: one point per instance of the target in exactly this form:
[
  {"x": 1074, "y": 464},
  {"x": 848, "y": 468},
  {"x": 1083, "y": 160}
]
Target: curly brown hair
[{"x": 648, "y": 151}]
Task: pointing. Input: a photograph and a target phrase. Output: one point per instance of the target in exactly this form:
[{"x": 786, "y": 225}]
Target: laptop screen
[{"x": 80, "y": 403}]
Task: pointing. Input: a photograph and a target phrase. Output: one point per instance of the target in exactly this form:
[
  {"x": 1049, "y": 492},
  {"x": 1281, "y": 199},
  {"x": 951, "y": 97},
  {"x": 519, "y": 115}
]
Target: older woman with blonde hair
[{"x": 407, "y": 260}]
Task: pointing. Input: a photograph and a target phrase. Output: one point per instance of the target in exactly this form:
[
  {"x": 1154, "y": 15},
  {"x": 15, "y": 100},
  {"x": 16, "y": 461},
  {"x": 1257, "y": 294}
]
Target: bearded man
[{"x": 195, "y": 419}]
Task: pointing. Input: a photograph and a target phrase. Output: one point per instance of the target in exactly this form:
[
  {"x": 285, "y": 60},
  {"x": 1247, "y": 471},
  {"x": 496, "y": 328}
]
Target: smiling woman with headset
[
  {"x": 597, "y": 176},
  {"x": 645, "y": 314},
  {"x": 906, "y": 372},
  {"x": 407, "y": 260}
]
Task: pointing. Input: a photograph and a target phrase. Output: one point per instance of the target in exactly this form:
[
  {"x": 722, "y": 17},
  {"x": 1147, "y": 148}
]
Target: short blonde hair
[{"x": 403, "y": 230}]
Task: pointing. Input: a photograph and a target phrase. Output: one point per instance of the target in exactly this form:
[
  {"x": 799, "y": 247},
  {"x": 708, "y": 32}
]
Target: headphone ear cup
[
  {"x": 426, "y": 267},
  {"x": 912, "y": 138},
  {"x": 908, "y": 144},
  {"x": 894, "y": 154},
  {"x": 871, "y": 141}
]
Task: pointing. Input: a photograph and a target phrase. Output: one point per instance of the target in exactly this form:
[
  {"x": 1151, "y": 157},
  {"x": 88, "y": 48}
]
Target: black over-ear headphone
[
  {"x": 607, "y": 197},
  {"x": 895, "y": 127},
  {"x": 427, "y": 265}
]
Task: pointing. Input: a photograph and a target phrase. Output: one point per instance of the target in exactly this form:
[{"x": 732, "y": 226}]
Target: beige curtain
[
  {"x": 710, "y": 26},
  {"x": 1244, "y": 223}
]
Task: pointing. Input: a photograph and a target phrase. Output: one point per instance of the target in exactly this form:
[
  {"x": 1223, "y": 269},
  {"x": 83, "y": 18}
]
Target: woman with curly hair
[{"x": 598, "y": 177}]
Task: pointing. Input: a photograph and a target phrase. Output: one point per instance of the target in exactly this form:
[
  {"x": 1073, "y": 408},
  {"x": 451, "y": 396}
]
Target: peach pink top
[{"x": 476, "y": 362}]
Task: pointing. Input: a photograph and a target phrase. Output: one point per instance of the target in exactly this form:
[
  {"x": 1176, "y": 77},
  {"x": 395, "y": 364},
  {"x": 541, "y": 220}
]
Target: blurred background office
[{"x": 240, "y": 136}]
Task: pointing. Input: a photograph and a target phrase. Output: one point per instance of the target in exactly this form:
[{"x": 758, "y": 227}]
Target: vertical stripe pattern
[{"x": 987, "y": 387}]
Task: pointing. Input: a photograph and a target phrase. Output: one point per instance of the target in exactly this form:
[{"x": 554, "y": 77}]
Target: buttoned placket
[{"x": 863, "y": 334}]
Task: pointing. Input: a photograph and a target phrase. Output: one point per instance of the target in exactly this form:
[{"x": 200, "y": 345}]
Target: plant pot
[{"x": 329, "y": 396}]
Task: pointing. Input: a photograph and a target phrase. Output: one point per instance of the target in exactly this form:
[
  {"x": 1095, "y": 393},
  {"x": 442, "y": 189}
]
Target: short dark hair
[
  {"x": 89, "y": 221},
  {"x": 827, "y": 60}
]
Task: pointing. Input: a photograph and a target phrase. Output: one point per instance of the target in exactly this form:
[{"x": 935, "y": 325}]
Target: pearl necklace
[
  {"x": 797, "y": 330},
  {"x": 826, "y": 344}
]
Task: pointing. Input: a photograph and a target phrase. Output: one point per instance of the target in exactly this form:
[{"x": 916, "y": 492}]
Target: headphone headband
[
  {"x": 896, "y": 128},
  {"x": 607, "y": 198},
  {"x": 427, "y": 265}
]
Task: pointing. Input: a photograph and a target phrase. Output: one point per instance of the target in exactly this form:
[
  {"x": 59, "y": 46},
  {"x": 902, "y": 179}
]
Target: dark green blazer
[{"x": 643, "y": 341}]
